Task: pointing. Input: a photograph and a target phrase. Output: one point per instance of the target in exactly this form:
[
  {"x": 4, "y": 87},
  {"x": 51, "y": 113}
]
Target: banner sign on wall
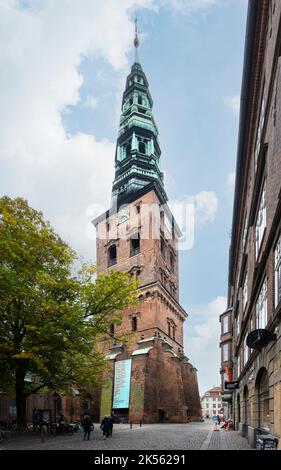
[{"x": 122, "y": 380}]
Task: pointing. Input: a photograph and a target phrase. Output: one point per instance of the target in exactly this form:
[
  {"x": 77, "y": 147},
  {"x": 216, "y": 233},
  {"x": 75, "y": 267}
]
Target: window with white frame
[
  {"x": 225, "y": 352},
  {"x": 261, "y": 307},
  {"x": 245, "y": 292},
  {"x": 278, "y": 272},
  {"x": 225, "y": 327},
  {"x": 238, "y": 324},
  {"x": 261, "y": 221},
  {"x": 246, "y": 350},
  {"x": 239, "y": 365},
  {"x": 245, "y": 232},
  {"x": 260, "y": 129}
]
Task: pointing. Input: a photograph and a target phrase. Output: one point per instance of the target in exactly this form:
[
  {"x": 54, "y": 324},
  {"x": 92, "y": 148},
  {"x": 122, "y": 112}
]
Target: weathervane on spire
[{"x": 136, "y": 41}]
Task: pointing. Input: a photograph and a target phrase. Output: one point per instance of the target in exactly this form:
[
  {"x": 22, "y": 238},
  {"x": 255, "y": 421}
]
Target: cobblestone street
[{"x": 193, "y": 436}]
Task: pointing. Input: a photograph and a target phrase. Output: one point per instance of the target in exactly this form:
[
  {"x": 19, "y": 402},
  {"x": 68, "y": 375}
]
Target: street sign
[{"x": 231, "y": 385}]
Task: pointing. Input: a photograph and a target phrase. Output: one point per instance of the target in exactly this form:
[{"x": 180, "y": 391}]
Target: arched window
[
  {"x": 169, "y": 329},
  {"x": 263, "y": 399},
  {"x": 112, "y": 255},
  {"x": 134, "y": 323},
  {"x": 174, "y": 332},
  {"x": 135, "y": 245}
]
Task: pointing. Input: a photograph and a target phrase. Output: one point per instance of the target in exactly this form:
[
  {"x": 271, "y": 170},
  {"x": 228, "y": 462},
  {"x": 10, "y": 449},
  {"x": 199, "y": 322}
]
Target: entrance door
[{"x": 161, "y": 416}]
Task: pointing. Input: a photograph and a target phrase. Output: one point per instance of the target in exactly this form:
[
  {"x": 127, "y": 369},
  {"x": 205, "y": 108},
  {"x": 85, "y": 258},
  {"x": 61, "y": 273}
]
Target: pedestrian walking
[
  {"x": 106, "y": 426},
  {"x": 218, "y": 420},
  {"x": 111, "y": 424},
  {"x": 87, "y": 426},
  {"x": 215, "y": 421}
]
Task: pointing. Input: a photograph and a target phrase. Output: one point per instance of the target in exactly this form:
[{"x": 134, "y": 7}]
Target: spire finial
[{"x": 136, "y": 40}]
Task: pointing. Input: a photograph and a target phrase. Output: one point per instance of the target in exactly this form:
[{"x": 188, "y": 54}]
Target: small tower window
[
  {"x": 112, "y": 255},
  {"x": 174, "y": 332},
  {"x": 131, "y": 101},
  {"x": 128, "y": 149},
  {"x": 142, "y": 147},
  {"x": 134, "y": 324},
  {"x": 140, "y": 101},
  {"x": 172, "y": 262},
  {"x": 162, "y": 248},
  {"x": 169, "y": 329},
  {"x": 135, "y": 245}
]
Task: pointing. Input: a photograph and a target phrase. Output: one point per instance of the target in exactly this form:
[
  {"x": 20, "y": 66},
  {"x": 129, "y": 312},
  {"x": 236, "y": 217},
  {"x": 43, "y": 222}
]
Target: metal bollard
[
  {"x": 131, "y": 424},
  {"x": 140, "y": 423}
]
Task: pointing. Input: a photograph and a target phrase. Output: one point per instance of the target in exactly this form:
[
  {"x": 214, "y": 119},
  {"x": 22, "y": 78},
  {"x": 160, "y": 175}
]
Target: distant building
[
  {"x": 251, "y": 325},
  {"x": 211, "y": 403}
]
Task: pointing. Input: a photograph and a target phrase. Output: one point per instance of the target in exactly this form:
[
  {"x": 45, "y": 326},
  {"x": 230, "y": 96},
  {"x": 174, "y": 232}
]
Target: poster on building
[{"x": 122, "y": 380}]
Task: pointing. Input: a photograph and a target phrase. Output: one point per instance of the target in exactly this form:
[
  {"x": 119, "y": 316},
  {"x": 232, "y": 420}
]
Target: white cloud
[
  {"x": 206, "y": 207},
  {"x": 42, "y": 46},
  {"x": 91, "y": 102},
  {"x": 189, "y": 6},
  {"x": 230, "y": 184},
  {"x": 232, "y": 102},
  {"x": 202, "y": 341}
]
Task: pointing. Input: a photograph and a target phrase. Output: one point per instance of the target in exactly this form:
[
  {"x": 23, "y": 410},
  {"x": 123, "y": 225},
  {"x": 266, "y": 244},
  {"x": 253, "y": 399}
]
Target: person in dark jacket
[
  {"x": 111, "y": 419},
  {"x": 87, "y": 426},
  {"x": 106, "y": 426}
]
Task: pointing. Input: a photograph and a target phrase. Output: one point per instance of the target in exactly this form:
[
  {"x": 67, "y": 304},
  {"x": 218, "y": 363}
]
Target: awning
[
  {"x": 110, "y": 357},
  {"x": 138, "y": 352}
]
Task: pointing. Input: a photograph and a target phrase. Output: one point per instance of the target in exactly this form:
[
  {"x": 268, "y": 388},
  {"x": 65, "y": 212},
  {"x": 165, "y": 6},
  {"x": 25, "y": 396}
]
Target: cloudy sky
[{"x": 63, "y": 66}]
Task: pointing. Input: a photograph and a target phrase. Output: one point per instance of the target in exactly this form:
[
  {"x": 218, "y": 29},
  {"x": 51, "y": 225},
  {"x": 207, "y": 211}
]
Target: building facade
[
  {"x": 211, "y": 403},
  {"x": 149, "y": 379},
  {"x": 251, "y": 348}
]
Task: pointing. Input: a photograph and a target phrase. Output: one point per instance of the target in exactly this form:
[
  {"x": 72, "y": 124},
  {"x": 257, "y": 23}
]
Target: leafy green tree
[{"x": 50, "y": 319}]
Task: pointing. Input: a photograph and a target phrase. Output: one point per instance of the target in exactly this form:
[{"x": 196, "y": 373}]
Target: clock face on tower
[{"x": 123, "y": 214}]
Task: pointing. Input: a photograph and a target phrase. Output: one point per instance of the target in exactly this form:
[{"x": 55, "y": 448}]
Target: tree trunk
[{"x": 20, "y": 397}]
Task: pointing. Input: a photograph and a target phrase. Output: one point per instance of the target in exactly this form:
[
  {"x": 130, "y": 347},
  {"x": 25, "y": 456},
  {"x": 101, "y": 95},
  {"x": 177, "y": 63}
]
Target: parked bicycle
[{"x": 5, "y": 435}]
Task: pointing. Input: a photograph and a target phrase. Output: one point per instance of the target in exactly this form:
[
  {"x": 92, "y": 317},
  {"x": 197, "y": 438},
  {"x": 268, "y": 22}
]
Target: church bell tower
[{"x": 150, "y": 379}]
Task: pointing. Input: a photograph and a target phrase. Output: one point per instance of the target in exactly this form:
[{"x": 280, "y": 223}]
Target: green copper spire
[{"x": 137, "y": 158}]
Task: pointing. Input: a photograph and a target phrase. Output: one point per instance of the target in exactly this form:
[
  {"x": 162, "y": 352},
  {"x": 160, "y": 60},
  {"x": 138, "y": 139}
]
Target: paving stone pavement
[{"x": 192, "y": 436}]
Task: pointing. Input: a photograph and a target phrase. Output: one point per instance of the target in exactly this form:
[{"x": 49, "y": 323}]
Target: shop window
[{"x": 263, "y": 402}]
